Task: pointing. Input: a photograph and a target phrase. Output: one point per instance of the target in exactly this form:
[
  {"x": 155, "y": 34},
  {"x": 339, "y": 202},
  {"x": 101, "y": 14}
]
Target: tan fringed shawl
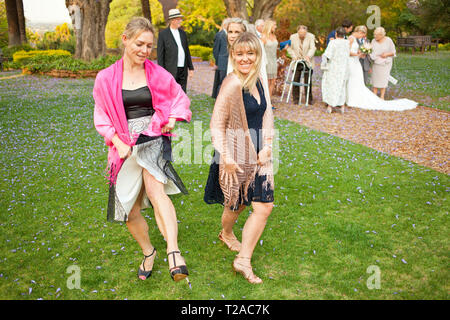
[{"x": 231, "y": 138}]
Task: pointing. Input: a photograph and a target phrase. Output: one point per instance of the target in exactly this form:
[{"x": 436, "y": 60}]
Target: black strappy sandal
[
  {"x": 143, "y": 274},
  {"x": 177, "y": 272}
]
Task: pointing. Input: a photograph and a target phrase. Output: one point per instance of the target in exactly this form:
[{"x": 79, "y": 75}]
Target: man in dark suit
[
  {"x": 220, "y": 52},
  {"x": 173, "y": 50}
]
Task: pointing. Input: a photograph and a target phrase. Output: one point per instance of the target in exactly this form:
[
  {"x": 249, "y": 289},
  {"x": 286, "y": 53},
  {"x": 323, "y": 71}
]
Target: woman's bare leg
[
  {"x": 254, "y": 227},
  {"x": 229, "y": 218},
  {"x": 164, "y": 210},
  {"x": 383, "y": 91}
]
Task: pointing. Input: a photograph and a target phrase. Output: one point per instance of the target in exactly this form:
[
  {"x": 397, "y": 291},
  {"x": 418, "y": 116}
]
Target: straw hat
[{"x": 174, "y": 13}]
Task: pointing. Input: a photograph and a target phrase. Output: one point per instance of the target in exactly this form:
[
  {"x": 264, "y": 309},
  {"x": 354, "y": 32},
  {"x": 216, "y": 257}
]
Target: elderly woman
[
  {"x": 241, "y": 173},
  {"x": 383, "y": 51},
  {"x": 136, "y": 106}
]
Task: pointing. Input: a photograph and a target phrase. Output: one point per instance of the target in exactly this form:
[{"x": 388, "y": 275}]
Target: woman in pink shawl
[{"x": 136, "y": 106}]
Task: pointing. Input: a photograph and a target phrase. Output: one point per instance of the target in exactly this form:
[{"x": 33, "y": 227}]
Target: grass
[
  {"x": 340, "y": 208},
  {"x": 423, "y": 77}
]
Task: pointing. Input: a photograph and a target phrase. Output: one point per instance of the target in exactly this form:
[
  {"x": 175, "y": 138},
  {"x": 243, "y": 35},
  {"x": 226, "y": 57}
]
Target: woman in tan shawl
[{"x": 242, "y": 169}]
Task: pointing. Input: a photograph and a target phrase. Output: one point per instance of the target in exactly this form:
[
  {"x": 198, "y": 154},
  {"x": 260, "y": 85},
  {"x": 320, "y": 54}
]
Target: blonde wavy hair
[
  {"x": 251, "y": 42},
  {"x": 361, "y": 29},
  {"x": 136, "y": 26},
  {"x": 267, "y": 29}
]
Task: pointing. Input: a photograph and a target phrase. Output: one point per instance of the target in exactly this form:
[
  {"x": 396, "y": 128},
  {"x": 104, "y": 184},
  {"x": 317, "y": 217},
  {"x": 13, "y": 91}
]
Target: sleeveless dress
[
  {"x": 256, "y": 192},
  {"x": 151, "y": 153},
  {"x": 271, "y": 53},
  {"x": 359, "y": 96}
]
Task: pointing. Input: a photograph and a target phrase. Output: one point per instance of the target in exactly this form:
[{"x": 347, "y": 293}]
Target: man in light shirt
[
  {"x": 303, "y": 47},
  {"x": 173, "y": 50},
  {"x": 259, "y": 26}
]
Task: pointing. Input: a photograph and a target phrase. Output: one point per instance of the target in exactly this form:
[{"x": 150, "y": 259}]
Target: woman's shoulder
[
  {"x": 108, "y": 73},
  {"x": 232, "y": 82}
]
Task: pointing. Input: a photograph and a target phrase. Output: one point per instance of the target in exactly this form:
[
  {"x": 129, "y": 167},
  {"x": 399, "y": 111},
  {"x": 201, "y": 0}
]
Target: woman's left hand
[
  {"x": 264, "y": 155},
  {"x": 169, "y": 125}
]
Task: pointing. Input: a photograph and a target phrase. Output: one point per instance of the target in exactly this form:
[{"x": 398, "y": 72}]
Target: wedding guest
[
  {"x": 241, "y": 173},
  {"x": 236, "y": 27},
  {"x": 173, "y": 50},
  {"x": 383, "y": 51},
  {"x": 220, "y": 52},
  {"x": 270, "y": 42},
  {"x": 137, "y": 104},
  {"x": 334, "y": 79},
  {"x": 259, "y": 26},
  {"x": 303, "y": 47},
  {"x": 347, "y": 25},
  {"x": 365, "y": 60}
]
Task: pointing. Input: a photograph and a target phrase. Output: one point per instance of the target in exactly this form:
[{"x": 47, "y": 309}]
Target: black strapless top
[{"x": 138, "y": 103}]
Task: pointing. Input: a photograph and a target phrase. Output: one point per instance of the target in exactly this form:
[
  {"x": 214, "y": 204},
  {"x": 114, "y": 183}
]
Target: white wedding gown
[{"x": 359, "y": 96}]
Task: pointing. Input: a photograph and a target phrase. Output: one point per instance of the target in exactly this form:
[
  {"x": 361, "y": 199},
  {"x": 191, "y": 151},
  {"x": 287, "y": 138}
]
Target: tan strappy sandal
[
  {"x": 232, "y": 244},
  {"x": 246, "y": 271}
]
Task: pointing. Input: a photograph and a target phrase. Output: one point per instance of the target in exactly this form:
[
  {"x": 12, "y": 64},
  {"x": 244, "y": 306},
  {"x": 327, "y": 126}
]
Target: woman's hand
[
  {"x": 169, "y": 125},
  {"x": 229, "y": 174},
  {"x": 123, "y": 149},
  {"x": 264, "y": 155}
]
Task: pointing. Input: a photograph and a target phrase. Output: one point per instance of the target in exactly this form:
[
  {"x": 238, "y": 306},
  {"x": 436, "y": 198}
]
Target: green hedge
[
  {"x": 23, "y": 56},
  {"x": 47, "y": 63},
  {"x": 200, "y": 51}
]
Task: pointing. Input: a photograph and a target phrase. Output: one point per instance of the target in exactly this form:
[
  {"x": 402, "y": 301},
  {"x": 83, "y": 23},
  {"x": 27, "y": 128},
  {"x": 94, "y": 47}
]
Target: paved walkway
[{"x": 421, "y": 135}]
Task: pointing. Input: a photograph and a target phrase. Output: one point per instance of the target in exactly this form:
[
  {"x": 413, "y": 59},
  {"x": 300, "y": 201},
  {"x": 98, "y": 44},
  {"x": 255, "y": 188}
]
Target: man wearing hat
[{"x": 173, "y": 49}]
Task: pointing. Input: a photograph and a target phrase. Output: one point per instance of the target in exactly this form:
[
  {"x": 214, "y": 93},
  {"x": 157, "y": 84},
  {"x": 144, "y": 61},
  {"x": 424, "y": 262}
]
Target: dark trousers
[
  {"x": 181, "y": 78},
  {"x": 296, "y": 90},
  {"x": 218, "y": 79}
]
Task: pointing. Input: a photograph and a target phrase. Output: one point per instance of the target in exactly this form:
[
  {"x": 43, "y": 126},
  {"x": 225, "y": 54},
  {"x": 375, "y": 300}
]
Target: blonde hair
[
  {"x": 237, "y": 21},
  {"x": 380, "y": 30},
  {"x": 136, "y": 26},
  {"x": 250, "y": 41},
  {"x": 361, "y": 29},
  {"x": 267, "y": 29}
]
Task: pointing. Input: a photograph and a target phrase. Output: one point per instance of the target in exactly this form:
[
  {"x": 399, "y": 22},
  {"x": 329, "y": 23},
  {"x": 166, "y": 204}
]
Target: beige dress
[
  {"x": 271, "y": 53},
  {"x": 381, "y": 68}
]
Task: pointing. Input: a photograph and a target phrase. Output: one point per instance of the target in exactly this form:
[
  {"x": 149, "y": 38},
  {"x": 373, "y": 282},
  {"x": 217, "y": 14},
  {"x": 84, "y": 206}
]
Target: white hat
[{"x": 174, "y": 13}]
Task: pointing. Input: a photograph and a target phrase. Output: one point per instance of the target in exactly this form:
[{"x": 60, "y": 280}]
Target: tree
[
  {"x": 251, "y": 10},
  {"x": 89, "y": 18},
  {"x": 16, "y": 22},
  {"x": 146, "y": 9},
  {"x": 167, "y": 5}
]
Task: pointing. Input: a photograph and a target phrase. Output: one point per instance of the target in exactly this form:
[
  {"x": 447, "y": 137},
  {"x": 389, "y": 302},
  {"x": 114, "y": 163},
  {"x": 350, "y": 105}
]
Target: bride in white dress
[{"x": 358, "y": 95}]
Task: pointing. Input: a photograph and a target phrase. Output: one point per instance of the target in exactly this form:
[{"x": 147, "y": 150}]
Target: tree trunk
[
  {"x": 91, "y": 20},
  {"x": 167, "y": 5},
  {"x": 21, "y": 19},
  {"x": 13, "y": 23},
  {"x": 146, "y": 10},
  {"x": 237, "y": 8},
  {"x": 262, "y": 9}
]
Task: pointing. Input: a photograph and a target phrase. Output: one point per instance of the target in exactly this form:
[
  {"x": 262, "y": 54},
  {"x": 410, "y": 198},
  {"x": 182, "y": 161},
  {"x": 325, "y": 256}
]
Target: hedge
[
  {"x": 200, "y": 51},
  {"x": 23, "y": 56}
]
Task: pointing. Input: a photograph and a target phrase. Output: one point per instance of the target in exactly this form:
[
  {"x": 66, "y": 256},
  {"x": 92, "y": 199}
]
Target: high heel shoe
[
  {"x": 177, "y": 272},
  {"x": 232, "y": 244},
  {"x": 246, "y": 271},
  {"x": 143, "y": 274}
]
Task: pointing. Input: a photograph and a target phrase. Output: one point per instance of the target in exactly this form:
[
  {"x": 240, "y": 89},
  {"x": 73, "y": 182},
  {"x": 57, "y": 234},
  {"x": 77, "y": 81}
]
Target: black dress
[{"x": 256, "y": 193}]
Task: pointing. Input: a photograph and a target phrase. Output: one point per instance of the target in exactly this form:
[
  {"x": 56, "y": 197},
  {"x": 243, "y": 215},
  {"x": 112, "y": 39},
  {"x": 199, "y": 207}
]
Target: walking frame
[{"x": 289, "y": 80}]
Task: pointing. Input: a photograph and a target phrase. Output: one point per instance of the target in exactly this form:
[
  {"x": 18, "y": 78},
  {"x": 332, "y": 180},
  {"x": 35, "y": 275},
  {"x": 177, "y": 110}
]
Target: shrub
[
  {"x": 201, "y": 51},
  {"x": 23, "y": 56},
  {"x": 9, "y": 51}
]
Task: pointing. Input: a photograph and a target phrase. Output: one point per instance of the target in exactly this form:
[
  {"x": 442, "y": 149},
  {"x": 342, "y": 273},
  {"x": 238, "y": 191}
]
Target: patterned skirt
[{"x": 152, "y": 154}]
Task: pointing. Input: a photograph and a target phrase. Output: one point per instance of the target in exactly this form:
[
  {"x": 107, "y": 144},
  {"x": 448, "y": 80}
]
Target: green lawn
[
  {"x": 423, "y": 77},
  {"x": 340, "y": 208}
]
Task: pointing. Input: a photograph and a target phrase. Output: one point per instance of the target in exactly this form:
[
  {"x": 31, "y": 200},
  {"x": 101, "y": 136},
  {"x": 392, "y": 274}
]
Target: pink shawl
[{"x": 169, "y": 101}]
